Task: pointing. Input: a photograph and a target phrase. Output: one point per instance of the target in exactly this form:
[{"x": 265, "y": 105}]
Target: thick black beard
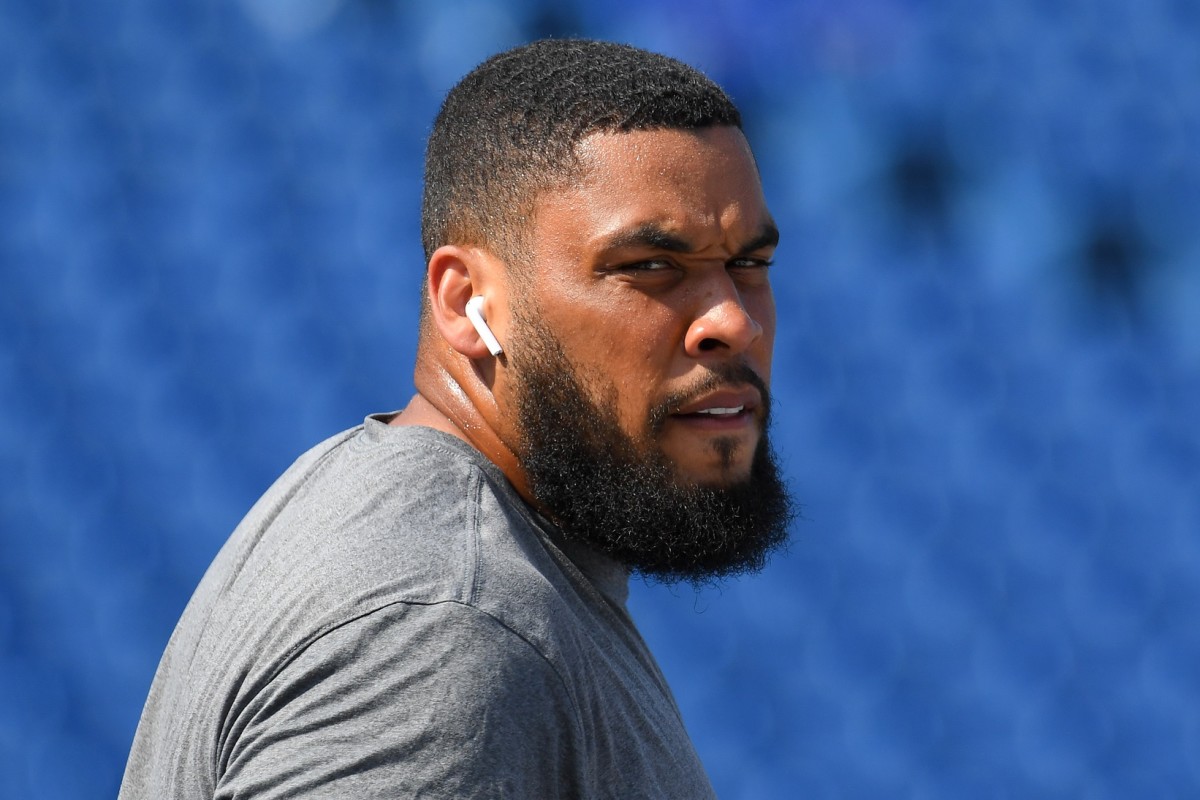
[{"x": 595, "y": 482}]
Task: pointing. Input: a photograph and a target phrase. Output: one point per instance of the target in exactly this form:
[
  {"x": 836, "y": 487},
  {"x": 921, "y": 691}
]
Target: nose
[{"x": 724, "y": 326}]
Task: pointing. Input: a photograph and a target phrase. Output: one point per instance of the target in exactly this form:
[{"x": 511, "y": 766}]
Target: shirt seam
[{"x": 320, "y": 633}]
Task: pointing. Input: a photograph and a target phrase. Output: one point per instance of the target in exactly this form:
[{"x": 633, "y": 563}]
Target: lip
[{"x": 746, "y": 399}]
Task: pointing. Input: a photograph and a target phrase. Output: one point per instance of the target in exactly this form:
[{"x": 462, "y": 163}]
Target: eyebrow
[
  {"x": 652, "y": 235},
  {"x": 768, "y": 236}
]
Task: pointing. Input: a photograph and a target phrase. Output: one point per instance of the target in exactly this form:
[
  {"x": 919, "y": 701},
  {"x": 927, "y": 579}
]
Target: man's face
[
  {"x": 639, "y": 350},
  {"x": 651, "y": 274}
]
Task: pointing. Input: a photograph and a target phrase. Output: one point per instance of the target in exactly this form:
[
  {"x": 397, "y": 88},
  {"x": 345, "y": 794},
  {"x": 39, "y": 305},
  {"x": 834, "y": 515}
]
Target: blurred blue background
[{"x": 988, "y": 362}]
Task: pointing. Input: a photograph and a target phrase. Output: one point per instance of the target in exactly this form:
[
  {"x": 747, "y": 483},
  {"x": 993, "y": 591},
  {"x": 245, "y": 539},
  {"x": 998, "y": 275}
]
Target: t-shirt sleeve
[{"x": 431, "y": 701}]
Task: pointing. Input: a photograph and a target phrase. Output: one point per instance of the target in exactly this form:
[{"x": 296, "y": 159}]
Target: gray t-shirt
[{"x": 391, "y": 620}]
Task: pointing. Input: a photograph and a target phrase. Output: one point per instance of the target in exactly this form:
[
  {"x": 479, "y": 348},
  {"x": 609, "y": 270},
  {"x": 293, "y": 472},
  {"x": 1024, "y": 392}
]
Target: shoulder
[
  {"x": 376, "y": 507},
  {"x": 375, "y": 518},
  {"x": 452, "y": 702}
]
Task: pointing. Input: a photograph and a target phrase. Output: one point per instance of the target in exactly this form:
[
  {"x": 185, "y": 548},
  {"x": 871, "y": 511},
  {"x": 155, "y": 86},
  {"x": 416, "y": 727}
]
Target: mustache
[{"x": 737, "y": 373}]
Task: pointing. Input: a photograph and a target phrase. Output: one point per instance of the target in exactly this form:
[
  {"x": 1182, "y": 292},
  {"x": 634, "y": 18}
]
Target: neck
[{"x": 466, "y": 409}]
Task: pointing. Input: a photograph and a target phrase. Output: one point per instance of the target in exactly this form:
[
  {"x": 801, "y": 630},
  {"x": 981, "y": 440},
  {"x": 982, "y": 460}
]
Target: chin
[
  {"x": 721, "y": 464},
  {"x": 718, "y": 476},
  {"x": 726, "y": 480}
]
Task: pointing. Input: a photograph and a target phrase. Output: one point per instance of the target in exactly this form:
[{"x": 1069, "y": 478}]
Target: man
[{"x": 433, "y": 604}]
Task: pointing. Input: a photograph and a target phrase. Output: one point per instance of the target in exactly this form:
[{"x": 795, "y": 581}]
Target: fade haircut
[{"x": 508, "y": 131}]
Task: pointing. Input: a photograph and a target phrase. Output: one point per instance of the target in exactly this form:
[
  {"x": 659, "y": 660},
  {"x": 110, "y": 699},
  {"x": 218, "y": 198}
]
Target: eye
[
  {"x": 648, "y": 274},
  {"x": 750, "y": 272},
  {"x": 750, "y": 263},
  {"x": 750, "y": 268},
  {"x": 651, "y": 271},
  {"x": 648, "y": 266}
]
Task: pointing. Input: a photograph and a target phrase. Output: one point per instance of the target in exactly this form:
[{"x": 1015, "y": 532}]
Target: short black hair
[{"x": 509, "y": 129}]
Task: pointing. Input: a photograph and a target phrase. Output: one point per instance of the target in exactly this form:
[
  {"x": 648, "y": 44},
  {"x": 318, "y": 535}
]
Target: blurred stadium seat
[{"x": 987, "y": 379}]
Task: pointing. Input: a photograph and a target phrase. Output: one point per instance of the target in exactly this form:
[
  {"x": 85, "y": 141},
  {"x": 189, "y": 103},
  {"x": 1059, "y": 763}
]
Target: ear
[{"x": 455, "y": 275}]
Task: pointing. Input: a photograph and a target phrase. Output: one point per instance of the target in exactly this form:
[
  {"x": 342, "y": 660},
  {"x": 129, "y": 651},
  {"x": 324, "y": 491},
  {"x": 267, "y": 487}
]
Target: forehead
[
  {"x": 666, "y": 148},
  {"x": 701, "y": 183}
]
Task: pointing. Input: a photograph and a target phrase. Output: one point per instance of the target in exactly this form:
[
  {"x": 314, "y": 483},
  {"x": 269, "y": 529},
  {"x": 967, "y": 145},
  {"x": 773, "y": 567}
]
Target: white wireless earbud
[{"x": 475, "y": 314}]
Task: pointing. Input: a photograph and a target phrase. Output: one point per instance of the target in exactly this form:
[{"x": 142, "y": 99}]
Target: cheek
[
  {"x": 626, "y": 350},
  {"x": 623, "y": 343},
  {"x": 613, "y": 369},
  {"x": 630, "y": 376}
]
